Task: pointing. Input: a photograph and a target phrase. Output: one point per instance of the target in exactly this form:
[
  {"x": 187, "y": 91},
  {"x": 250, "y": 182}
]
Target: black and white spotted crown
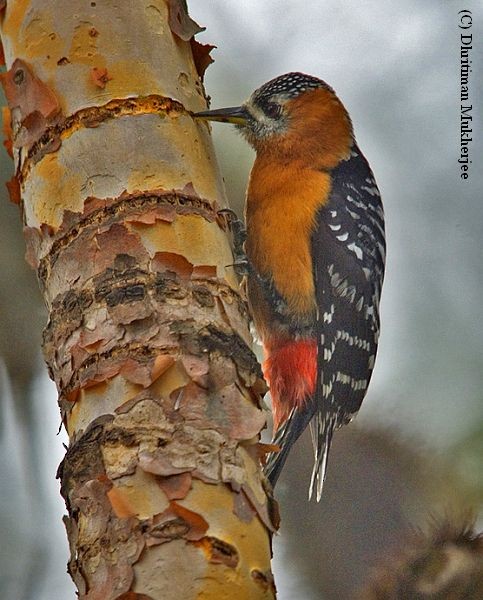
[{"x": 291, "y": 84}]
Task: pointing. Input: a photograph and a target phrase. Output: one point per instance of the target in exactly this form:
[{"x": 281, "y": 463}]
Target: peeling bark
[{"x": 147, "y": 338}]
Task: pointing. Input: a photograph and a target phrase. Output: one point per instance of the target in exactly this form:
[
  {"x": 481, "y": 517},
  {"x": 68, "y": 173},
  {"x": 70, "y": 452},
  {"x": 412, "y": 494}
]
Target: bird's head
[{"x": 293, "y": 117}]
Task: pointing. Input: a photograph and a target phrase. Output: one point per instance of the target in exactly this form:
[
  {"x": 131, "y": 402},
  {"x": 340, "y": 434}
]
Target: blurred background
[{"x": 416, "y": 448}]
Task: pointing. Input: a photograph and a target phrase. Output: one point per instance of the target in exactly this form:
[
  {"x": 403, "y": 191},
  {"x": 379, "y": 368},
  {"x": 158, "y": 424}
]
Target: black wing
[{"x": 348, "y": 247}]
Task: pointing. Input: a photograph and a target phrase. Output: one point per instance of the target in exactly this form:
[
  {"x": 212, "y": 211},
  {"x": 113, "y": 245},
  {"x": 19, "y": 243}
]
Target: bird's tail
[
  {"x": 285, "y": 437},
  {"x": 321, "y": 429}
]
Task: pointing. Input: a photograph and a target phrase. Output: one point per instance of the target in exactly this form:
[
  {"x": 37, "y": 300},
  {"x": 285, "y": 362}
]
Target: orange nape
[{"x": 290, "y": 369}]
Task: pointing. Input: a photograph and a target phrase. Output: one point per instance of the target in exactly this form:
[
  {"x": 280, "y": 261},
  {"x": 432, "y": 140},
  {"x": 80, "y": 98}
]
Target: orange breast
[{"x": 282, "y": 204}]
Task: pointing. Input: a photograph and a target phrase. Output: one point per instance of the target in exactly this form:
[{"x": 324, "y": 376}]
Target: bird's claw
[
  {"x": 240, "y": 265},
  {"x": 238, "y": 231},
  {"x": 227, "y": 214}
]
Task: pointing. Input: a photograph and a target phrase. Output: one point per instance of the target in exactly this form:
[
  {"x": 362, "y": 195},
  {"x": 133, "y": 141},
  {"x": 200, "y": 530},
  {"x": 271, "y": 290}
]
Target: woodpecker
[{"x": 315, "y": 247}]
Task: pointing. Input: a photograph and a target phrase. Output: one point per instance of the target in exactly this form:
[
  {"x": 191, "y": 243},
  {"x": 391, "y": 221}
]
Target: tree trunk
[{"x": 147, "y": 338}]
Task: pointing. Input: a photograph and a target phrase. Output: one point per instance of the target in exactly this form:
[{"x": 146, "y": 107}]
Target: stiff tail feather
[
  {"x": 321, "y": 430},
  {"x": 285, "y": 437}
]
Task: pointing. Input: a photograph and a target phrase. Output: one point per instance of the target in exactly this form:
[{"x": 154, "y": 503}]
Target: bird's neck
[
  {"x": 318, "y": 135},
  {"x": 288, "y": 188}
]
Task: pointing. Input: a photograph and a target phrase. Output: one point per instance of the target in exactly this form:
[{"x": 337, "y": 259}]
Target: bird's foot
[{"x": 239, "y": 235}]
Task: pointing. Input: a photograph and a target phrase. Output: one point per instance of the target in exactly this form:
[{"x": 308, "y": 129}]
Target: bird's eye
[{"x": 273, "y": 110}]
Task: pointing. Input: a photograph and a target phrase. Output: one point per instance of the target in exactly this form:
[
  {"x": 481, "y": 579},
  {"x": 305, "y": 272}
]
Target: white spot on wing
[
  {"x": 356, "y": 249},
  {"x": 328, "y": 315},
  {"x": 356, "y": 202},
  {"x": 382, "y": 251},
  {"x": 373, "y": 191},
  {"x": 354, "y": 215}
]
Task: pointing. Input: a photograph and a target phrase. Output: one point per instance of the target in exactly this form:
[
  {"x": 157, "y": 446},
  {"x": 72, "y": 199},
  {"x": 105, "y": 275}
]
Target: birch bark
[{"x": 147, "y": 337}]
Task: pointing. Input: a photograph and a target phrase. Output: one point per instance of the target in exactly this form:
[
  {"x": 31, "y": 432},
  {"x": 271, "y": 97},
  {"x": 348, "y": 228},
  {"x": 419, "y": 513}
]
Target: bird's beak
[{"x": 235, "y": 114}]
